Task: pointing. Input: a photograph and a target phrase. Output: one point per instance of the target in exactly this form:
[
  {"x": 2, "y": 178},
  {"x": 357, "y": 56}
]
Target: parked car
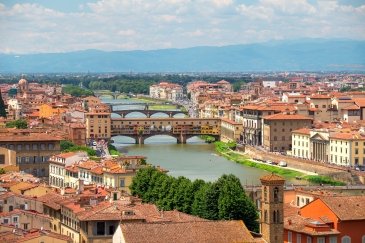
[
  {"x": 269, "y": 162},
  {"x": 283, "y": 164}
]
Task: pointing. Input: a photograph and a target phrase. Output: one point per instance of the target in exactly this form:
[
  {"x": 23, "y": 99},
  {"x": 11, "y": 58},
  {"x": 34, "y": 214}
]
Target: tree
[
  {"x": 189, "y": 195},
  {"x": 233, "y": 202},
  {"x": 2, "y": 106},
  {"x": 66, "y": 144},
  {"x": 19, "y": 124},
  {"x": 140, "y": 182},
  {"x": 199, "y": 207}
]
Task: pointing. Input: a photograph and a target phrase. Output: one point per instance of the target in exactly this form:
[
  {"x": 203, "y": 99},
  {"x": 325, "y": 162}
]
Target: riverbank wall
[{"x": 336, "y": 173}]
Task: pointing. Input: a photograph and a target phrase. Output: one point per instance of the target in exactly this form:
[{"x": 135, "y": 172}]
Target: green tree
[
  {"x": 2, "y": 106},
  {"x": 164, "y": 202},
  {"x": 199, "y": 207},
  {"x": 233, "y": 203},
  {"x": 19, "y": 124},
  {"x": 66, "y": 144},
  {"x": 2, "y": 171},
  {"x": 140, "y": 182},
  {"x": 189, "y": 194}
]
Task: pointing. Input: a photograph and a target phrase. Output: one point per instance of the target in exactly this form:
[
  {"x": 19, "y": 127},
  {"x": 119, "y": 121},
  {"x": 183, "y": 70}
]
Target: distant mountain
[{"x": 301, "y": 55}]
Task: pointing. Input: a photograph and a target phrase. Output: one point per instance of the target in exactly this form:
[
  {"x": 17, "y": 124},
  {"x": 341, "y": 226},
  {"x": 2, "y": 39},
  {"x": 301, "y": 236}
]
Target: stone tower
[{"x": 272, "y": 208}]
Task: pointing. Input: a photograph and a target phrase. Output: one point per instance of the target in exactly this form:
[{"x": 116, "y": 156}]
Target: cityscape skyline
[{"x": 44, "y": 26}]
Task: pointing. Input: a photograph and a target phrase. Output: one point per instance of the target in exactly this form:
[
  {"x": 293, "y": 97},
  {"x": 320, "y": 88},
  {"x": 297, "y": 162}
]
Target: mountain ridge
[{"x": 295, "y": 55}]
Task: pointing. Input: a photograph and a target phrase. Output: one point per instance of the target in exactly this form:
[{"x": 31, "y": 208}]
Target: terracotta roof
[
  {"x": 197, "y": 232},
  {"x": 31, "y": 137},
  {"x": 272, "y": 177},
  {"x": 319, "y": 96},
  {"x": 347, "y": 136},
  {"x": 346, "y": 208},
  {"x": 287, "y": 117},
  {"x": 305, "y": 131},
  {"x": 351, "y": 107},
  {"x": 16, "y": 235},
  {"x": 308, "y": 226},
  {"x": 66, "y": 155},
  {"x": 359, "y": 101}
]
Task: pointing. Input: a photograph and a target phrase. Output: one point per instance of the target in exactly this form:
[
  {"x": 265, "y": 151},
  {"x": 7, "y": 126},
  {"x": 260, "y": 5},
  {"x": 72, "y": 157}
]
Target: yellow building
[
  {"x": 46, "y": 111},
  {"x": 98, "y": 125},
  {"x": 230, "y": 130},
  {"x": 348, "y": 149}
]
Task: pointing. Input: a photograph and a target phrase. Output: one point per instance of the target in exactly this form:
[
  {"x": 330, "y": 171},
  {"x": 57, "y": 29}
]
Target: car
[
  {"x": 269, "y": 162},
  {"x": 283, "y": 164}
]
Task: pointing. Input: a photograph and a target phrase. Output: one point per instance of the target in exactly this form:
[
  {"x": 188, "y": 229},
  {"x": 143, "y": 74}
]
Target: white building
[
  {"x": 166, "y": 91},
  {"x": 57, "y": 164}
]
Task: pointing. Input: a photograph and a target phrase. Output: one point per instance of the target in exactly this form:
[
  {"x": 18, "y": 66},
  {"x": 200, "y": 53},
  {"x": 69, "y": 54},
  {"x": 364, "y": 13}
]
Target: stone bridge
[
  {"x": 179, "y": 128},
  {"x": 149, "y": 113}
]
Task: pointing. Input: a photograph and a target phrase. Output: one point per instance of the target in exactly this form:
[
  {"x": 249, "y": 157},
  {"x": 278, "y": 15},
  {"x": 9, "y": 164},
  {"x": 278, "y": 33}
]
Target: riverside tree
[
  {"x": 223, "y": 199},
  {"x": 2, "y": 106}
]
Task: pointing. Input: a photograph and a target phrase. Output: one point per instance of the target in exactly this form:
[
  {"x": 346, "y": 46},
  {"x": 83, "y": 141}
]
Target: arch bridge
[
  {"x": 181, "y": 128},
  {"x": 149, "y": 113}
]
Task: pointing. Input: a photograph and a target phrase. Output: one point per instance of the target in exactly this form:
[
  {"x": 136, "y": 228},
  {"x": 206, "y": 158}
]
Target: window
[
  {"x": 25, "y": 226},
  {"x": 2, "y": 159},
  {"x": 6, "y": 221},
  {"x": 333, "y": 239},
  {"x": 265, "y": 194},
  {"x": 276, "y": 194},
  {"x": 15, "y": 219},
  {"x": 265, "y": 216},
  {"x": 346, "y": 239},
  {"x": 111, "y": 229},
  {"x": 100, "y": 228},
  {"x": 321, "y": 240},
  {"x": 299, "y": 238},
  {"x": 309, "y": 239},
  {"x": 290, "y": 237},
  {"x": 122, "y": 184}
]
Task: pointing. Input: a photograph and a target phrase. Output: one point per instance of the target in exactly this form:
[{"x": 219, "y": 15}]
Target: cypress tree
[{"x": 2, "y": 106}]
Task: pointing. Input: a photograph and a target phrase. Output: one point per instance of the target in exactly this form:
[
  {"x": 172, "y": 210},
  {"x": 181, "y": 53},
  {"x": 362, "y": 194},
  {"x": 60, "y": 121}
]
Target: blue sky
[{"x": 30, "y": 26}]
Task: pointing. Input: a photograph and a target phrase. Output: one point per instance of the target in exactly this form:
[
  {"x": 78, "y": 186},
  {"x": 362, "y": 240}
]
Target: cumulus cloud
[{"x": 155, "y": 24}]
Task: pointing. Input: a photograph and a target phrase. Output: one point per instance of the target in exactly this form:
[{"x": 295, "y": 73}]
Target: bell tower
[{"x": 272, "y": 228}]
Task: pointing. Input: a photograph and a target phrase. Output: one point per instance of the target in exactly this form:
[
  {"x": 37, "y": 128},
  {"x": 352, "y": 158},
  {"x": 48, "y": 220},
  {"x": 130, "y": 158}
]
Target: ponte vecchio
[{"x": 180, "y": 128}]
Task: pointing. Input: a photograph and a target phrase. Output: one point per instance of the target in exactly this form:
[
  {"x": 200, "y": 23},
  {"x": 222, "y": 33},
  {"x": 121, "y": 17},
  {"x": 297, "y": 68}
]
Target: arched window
[
  {"x": 277, "y": 216},
  {"x": 276, "y": 194},
  {"x": 265, "y": 216},
  {"x": 265, "y": 194},
  {"x": 346, "y": 239},
  {"x": 274, "y": 216}
]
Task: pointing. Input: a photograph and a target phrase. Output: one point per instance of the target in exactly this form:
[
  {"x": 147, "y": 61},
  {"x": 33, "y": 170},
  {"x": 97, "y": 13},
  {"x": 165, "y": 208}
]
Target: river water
[{"x": 194, "y": 160}]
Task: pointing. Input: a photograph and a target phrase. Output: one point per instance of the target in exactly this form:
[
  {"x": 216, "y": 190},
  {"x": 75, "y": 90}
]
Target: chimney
[
  {"x": 62, "y": 191},
  {"x": 289, "y": 221}
]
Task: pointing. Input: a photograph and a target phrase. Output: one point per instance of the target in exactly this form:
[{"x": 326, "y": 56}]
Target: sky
[{"x": 43, "y": 26}]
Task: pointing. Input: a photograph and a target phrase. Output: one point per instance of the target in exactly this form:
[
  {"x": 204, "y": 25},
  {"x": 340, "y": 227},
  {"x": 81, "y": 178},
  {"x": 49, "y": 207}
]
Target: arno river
[{"x": 194, "y": 160}]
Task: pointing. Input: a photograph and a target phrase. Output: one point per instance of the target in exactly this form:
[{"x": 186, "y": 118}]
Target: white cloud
[{"x": 154, "y": 24}]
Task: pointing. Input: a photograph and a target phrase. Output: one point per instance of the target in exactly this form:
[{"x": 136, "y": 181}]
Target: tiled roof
[
  {"x": 272, "y": 177},
  {"x": 17, "y": 235},
  {"x": 31, "y": 137},
  {"x": 346, "y": 208},
  {"x": 308, "y": 226},
  {"x": 305, "y": 131},
  {"x": 287, "y": 117},
  {"x": 197, "y": 232}
]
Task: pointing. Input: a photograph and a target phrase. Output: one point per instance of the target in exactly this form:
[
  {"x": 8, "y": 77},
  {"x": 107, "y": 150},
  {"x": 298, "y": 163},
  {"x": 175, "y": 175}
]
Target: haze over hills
[{"x": 301, "y": 55}]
